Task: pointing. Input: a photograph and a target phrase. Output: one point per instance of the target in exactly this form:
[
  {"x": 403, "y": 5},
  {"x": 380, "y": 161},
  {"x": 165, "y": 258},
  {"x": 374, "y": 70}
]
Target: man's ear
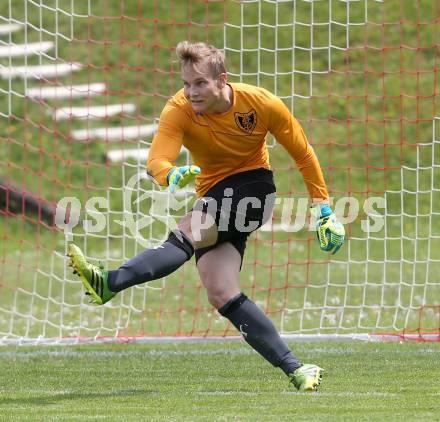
[{"x": 221, "y": 80}]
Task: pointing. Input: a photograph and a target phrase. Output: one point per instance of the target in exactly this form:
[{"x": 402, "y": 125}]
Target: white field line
[
  {"x": 114, "y": 133},
  {"x": 62, "y": 92},
  {"x": 9, "y": 28},
  {"x": 28, "y": 49},
  {"x": 117, "y": 155},
  {"x": 296, "y": 337},
  {"x": 66, "y": 353},
  {"x": 223, "y": 340},
  {"x": 258, "y": 393},
  {"x": 347, "y": 394},
  {"x": 39, "y": 72},
  {"x": 92, "y": 112},
  {"x": 217, "y": 393}
]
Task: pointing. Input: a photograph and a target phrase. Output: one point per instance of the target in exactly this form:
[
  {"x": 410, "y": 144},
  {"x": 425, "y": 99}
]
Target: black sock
[
  {"x": 259, "y": 332},
  {"x": 152, "y": 264}
]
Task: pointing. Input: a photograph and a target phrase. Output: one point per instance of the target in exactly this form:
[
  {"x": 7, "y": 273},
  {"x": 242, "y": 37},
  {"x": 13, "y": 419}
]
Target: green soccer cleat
[
  {"x": 93, "y": 277},
  {"x": 307, "y": 377}
]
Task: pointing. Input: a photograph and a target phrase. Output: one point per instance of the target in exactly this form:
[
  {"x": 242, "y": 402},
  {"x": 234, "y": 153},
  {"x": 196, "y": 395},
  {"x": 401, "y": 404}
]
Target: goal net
[{"x": 82, "y": 85}]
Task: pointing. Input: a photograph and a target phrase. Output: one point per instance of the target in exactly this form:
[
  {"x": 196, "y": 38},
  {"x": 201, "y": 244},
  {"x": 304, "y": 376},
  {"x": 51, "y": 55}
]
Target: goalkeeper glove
[
  {"x": 330, "y": 231},
  {"x": 181, "y": 176}
]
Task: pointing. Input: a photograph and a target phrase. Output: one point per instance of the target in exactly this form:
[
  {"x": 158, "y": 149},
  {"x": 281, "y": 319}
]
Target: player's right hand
[{"x": 181, "y": 176}]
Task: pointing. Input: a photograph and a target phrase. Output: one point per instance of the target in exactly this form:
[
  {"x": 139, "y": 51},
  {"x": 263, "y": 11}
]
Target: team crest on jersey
[{"x": 246, "y": 121}]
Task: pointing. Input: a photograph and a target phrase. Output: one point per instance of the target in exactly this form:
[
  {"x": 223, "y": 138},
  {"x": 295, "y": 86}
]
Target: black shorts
[{"x": 240, "y": 204}]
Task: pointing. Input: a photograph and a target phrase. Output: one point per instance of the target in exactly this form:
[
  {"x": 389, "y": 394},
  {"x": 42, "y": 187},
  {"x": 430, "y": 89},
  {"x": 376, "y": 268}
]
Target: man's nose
[{"x": 193, "y": 92}]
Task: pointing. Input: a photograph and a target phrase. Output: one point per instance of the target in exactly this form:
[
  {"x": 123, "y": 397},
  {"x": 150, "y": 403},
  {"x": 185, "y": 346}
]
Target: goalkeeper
[{"x": 224, "y": 126}]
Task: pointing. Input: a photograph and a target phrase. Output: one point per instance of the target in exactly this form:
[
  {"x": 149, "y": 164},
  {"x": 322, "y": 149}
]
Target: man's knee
[
  {"x": 200, "y": 228},
  {"x": 219, "y": 288},
  {"x": 219, "y": 297}
]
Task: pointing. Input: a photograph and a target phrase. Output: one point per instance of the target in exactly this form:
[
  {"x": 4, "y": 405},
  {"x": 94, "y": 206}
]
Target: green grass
[
  {"x": 220, "y": 381},
  {"x": 365, "y": 119}
]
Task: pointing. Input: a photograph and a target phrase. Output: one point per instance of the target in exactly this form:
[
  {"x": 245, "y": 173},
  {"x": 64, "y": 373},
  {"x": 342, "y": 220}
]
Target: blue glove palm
[
  {"x": 181, "y": 176},
  {"x": 330, "y": 232}
]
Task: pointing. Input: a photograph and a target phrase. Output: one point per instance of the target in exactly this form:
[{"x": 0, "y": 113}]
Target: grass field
[
  {"x": 219, "y": 381},
  {"x": 367, "y": 107},
  {"x": 367, "y": 96}
]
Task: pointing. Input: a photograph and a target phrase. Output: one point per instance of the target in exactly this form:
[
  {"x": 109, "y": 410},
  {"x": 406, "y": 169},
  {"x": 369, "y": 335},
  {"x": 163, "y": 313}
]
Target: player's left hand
[
  {"x": 181, "y": 176},
  {"x": 330, "y": 232}
]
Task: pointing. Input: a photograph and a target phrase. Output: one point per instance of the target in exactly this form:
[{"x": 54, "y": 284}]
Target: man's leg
[
  {"x": 162, "y": 260},
  {"x": 150, "y": 264},
  {"x": 153, "y": 263},
  {"x": 219, "y": 270}
]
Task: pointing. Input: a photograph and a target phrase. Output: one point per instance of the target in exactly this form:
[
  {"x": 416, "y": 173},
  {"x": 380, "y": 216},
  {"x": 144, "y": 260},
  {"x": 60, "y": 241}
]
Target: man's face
[{"x": 201, "y": 89}]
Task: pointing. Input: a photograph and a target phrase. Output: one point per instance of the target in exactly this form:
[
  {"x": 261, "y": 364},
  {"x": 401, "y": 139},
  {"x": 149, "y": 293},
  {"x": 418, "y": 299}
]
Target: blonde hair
[{"x": 200, "y": 53}]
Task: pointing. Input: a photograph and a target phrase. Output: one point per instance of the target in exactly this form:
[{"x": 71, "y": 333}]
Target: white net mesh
[{"x": 82, "y": 85}]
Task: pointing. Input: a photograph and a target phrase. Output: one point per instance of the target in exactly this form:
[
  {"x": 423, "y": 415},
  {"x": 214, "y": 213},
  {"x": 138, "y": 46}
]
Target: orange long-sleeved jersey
[{"x": 232, "y": 142}]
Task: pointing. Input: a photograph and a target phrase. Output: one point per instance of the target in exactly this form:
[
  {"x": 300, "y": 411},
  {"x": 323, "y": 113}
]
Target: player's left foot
[
  {"x": 93, "y": 277},
  {"x": 307, "y": 377}
]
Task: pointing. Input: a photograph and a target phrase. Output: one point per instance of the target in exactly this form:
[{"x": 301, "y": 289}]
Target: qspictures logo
[{"x": 144, "y": 207}]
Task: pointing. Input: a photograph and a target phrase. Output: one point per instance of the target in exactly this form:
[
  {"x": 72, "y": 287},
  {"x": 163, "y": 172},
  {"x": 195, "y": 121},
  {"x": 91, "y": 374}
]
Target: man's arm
[
  {"x": 166, "y": 143},
  {"x": 289, "y": 133}
]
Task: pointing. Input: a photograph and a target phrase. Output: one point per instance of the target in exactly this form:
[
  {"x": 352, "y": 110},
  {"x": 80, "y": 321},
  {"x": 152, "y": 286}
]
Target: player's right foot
[
  {"x": 93, "y": 277},
  {"x": 307, "y": 377}
]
